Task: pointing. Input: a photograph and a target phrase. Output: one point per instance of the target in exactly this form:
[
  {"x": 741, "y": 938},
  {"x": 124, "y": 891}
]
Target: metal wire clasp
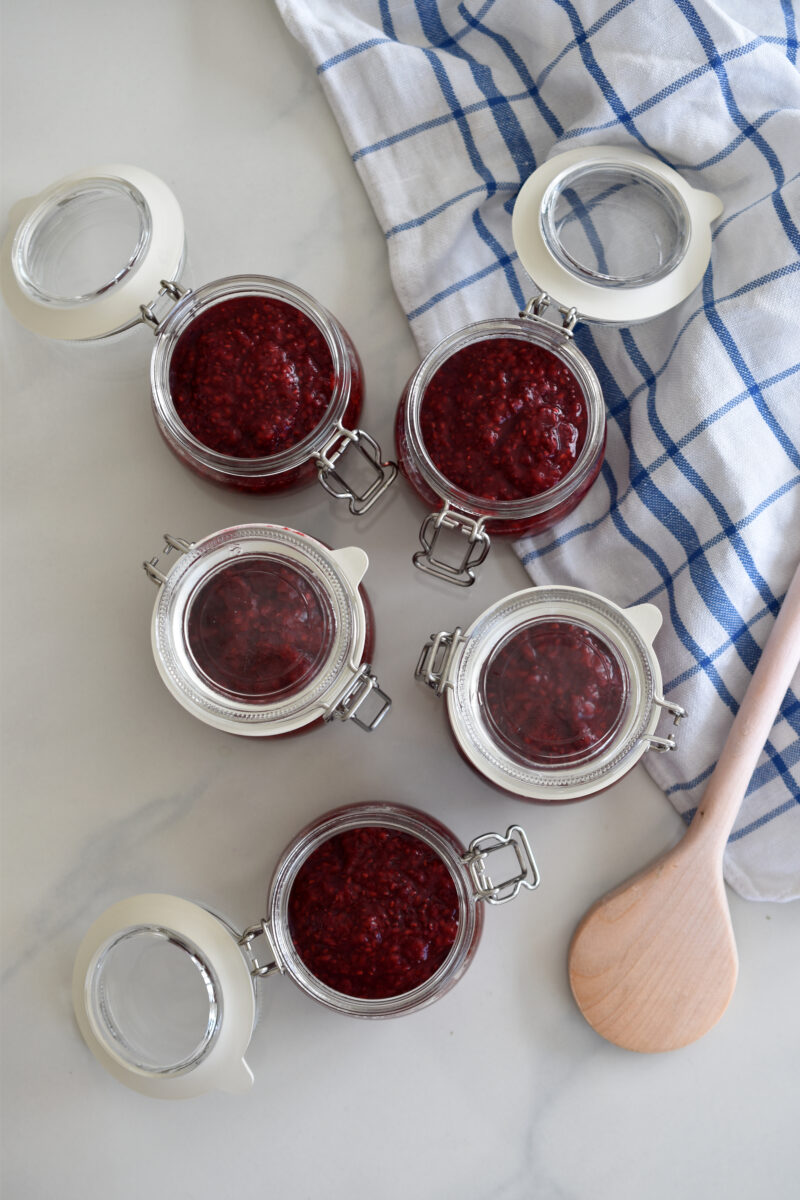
[
  {"x": 170, "y": 289},
  {"x": 170, "y": 543},
  {"x": 437, "y": 658},
  {"x": 382, "y": 474},
  {"x": 257, "y": 970},
  {"x": 536, "y": 308},
  {"x": 475, "y": 861},
  {"x": 346, "y": 706},
  {"x": 665, "y": 744},
  {"x": 461, "y": 572}
]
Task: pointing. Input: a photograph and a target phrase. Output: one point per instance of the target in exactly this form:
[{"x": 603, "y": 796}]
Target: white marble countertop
[{"x": 500, "y": 1090}]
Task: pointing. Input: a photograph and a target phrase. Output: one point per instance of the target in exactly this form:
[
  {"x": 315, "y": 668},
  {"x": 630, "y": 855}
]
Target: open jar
[
  {"x": 553, "y": 693},
  {"x": 501, "y": 429},
  {"x": 261, "y": 630},
  {"x": 254, "y": 384},
  {"x": 374, "y": 910}
]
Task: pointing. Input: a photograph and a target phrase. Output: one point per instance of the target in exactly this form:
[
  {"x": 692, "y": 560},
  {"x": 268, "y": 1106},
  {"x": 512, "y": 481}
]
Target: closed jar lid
[
  {"x": 82, "y": 257},
  {"x": 164, "y": 998},
  {"x": 554, "y": 692},
  {"x": 260, "y": 629},
  {"x": 613, "y": 233}
]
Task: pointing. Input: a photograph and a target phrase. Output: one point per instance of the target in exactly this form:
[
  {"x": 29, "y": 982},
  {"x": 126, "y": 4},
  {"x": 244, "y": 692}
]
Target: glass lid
[
  {"x": 164, "y": 998},
  {"x": 82, "y": 257},
  {"x": 613, "y": 232},
  {"x": 258, "y": 629},
  {"x": 554, "y": 694}
]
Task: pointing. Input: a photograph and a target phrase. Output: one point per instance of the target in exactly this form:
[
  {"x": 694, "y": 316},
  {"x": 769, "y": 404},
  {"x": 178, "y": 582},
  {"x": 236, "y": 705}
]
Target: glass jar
[
  {"x": 261, "y": 630},
  {"x": 255, "y": 385},
  {"x": 165, "y": 991},
  {"x": 553, "y": 693},
  {"x": 501, "y": 429}
]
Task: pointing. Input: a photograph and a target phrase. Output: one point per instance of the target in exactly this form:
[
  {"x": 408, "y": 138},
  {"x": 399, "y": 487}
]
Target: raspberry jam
[
  {"x": 251, "y": 376},
  {"x": 503, "y": 419},
  {"x": 253, "y": 382},
  {"x": 373, "y": 912},
  {"x": 500, "y": 430},
  {"x": 554, "y": 692},
  {"x": 259, "y": 629}
]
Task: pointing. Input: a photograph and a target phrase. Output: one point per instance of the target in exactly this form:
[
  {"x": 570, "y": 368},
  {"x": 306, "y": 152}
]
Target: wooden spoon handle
[{"x": 765, "y": 692}]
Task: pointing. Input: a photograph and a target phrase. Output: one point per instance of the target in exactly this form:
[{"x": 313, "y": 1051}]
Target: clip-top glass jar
[
  {"x": 374, "y": 910},
  {"x": 501, "y": 429},
  {"x": 255, "y": 385},
  {"x": 553, "y": 693},
  {"x": 261, "y": 630}
]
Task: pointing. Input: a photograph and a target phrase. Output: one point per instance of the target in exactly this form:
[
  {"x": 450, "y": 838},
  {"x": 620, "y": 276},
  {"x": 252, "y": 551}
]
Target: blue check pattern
[{"x": 446, "y": 108}]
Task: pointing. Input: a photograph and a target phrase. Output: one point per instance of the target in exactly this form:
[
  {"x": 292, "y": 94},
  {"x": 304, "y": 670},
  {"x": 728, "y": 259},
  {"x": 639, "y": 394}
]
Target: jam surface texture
[
  {"x": 554, "y": 692},
  {"x": 251, "y": 376},
  {"x": 373, "y": 912},
  {"x": 503, "y": 419},
  {"x": 259, "y": 629}
]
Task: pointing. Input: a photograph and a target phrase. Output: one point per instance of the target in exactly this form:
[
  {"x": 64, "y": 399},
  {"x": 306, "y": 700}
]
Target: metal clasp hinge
[
  {"x": 667, "y": 743},
  {"x": 437, "y": 658},
  {"x": 538, "y": 306},
  {"x": 257, "y": 970},
  {"x": 478, "y": 546},
  {"x": 382, "y": 473},
  {"x": 346, "y": 707},
  {"x": 475, "y": 861},
  {"x": 173, "y": 291},
  {"x": 171, "y": 543}
]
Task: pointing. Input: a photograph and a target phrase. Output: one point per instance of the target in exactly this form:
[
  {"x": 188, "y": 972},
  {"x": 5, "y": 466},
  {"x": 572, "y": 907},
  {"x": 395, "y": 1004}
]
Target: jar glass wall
[
  {"x": 373, "y": 912},
  {"x": 250, "y": 376}
]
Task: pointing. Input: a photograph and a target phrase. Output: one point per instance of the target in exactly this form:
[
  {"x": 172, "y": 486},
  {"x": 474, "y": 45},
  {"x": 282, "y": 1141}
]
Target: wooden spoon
[{"x": 653, "y": 964}]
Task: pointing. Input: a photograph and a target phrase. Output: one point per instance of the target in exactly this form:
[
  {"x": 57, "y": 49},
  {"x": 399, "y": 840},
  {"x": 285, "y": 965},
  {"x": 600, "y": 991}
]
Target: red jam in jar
[
  {"x": 554, "y": 693},
  {"x": 259, "y": 629},
  {"x": 503, "y": 419},
  {"x": 251, "y": 376},
  {"x": 373, "y": 912}
]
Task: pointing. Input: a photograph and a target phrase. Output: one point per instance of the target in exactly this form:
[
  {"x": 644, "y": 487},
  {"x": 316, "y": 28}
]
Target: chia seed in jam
[
  {"x": 503, "y": 419},
  {"x": 251, "y": 376},
  {"x": 259, "y": 630},
  {"x": 554, "y": 693},
  {"x": 373, "y": 912}
]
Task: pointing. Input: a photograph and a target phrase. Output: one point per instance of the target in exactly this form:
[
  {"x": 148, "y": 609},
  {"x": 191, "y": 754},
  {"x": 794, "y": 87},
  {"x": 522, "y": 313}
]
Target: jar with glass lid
[
  {"x": 374, "y": 910},
  {"x": 553, "y": 693},
  {"x": 262, "y": 630},
  {"x": 255, "y": 385},
  {"x": 501, "y": 429}
]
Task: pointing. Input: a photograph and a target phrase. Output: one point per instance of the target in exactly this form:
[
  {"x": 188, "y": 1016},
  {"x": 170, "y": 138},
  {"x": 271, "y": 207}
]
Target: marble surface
[{"x": 109, "y": 788}]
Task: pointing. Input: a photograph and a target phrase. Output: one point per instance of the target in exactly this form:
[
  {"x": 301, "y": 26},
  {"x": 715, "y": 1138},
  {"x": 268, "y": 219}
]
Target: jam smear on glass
[
  {"x": 554, "y": 693},
  {"x": 503, "y": 419},
  {"x": 373, "y": 912},
  {"x": 251, "y": 376},
  {"x": 259, "y": 629}
]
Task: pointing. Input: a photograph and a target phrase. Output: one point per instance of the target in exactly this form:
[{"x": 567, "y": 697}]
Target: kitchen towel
[{"x": 446, "y": 108}]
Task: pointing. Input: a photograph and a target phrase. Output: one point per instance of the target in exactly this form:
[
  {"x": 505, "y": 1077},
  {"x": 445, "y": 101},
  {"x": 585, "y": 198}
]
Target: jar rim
[
  {"x": 617, "y": 753},
  {"x": 404, "y": 819},
  {"x": 536, "y": 332},
  {"x": 237, "y": 544},
  {"x": 207, "y": 296}
]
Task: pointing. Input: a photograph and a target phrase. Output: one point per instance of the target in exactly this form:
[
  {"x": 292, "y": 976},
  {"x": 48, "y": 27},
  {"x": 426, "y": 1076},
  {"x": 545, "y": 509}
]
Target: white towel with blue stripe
[{"x": 446, "y": 108}]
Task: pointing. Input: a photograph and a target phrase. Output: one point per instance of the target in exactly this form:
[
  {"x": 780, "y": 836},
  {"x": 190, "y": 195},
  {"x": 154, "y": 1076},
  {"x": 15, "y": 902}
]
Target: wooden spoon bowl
[{"x": 653, "y": 964}]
